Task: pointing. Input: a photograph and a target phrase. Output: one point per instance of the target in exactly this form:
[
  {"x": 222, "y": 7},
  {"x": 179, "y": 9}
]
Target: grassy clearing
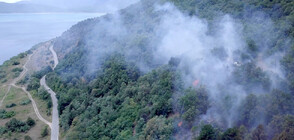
[
  {"x": 23, "y": 108},
  {"x": 12, "y": 68},
  {"x": 24, "y": 111},
  {"x": 16, "y": 96},
  {"x": 3, "y": 90}
]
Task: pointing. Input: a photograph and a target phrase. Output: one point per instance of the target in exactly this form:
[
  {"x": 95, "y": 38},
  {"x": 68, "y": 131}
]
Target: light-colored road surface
[
  {"x": 13, "y": 83},
  {"x": 35, "y": 107},
  {"x": 25, "y": 70},
  {"x": 55, "y": 119},
  {"x": 55, "y": 58},
  {"x": 55, "y": 116}
]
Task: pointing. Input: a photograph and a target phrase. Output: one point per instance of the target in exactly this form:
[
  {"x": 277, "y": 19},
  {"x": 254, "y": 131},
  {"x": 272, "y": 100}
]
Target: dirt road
[{"x": 13, "y": 83}]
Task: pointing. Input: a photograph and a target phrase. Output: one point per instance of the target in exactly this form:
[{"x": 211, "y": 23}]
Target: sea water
[{"x": 20, "y": 31}]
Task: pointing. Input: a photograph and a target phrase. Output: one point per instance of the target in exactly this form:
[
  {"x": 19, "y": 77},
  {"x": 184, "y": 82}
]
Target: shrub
[
  {"x": 4, "y": 114},
  {"x": 49, "y": 104},
  {"x": 16, "y": 74},
  {"x": 23, "y": 81},
  {"x": 27, "y": 138},
  {"x": 15, "y": 63},
  {"x": 2, "y": 130},
  {"x": 30, "y": 122},
  {"x": 42, "y": 72},
  {"x": 2, "y": 75},
  {"x": 22, "y": 55},
  {"x": 17, "y": 70},
  {"x": 25, "y": 102},
  {"x": 15, "y": 125},
  {"x": 44, "y": 131},
  {"x": 34, "y": 84},
  {"x": 43, "y": 94},
  {"x": 10, "y": 105},
  {"x": 4, "y": 81}
]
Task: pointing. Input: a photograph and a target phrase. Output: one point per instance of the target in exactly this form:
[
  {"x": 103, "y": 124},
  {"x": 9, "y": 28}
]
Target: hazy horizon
[
  {"x": 70, "y": 5},
  {"x": 10, "y": 1},
  {"x": 21, "y": 31}
]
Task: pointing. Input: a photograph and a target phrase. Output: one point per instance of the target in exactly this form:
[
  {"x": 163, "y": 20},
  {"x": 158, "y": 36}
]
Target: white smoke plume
[
  {"x": 211, "y": 57},
  {"x": 207, "y": 55}
]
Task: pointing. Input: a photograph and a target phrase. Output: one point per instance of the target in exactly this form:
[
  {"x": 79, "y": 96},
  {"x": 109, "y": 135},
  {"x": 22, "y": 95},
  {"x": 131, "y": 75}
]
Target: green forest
[{"x": 124, "y": 92}]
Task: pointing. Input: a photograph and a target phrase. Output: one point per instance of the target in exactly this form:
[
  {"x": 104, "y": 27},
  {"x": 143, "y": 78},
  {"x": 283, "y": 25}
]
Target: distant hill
[
  {"x": 26, "y": 7},
  {"x": 31, "y": 7}
]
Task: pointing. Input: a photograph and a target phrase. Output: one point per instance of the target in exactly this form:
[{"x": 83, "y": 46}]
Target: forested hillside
[{"x": 179, "y": 69}]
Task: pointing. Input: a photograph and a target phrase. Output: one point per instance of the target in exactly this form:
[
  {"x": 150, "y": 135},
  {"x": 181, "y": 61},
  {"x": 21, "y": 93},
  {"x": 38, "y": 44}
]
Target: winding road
[
  {"x": 25, "y": 70},
  {"x": 13, "y": 83},
  {"x": 55, "y": 120},
  {"x": 55, "y": 58}
]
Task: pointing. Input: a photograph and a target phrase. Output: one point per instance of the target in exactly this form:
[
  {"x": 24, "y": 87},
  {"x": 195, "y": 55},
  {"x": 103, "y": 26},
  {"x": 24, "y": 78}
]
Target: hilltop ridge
[{"x": 175, "y": 69}]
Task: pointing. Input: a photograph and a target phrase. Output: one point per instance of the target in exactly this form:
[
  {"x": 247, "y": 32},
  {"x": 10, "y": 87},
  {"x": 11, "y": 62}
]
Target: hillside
[
  {"x": 176, "y": 69},
  {"x": 24, "y": 112}
]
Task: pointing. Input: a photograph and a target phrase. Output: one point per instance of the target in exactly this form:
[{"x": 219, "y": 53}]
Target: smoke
[
  {"x": 103, "y": 39},
  {"x": 188, "y": 38},
  {"x": 212, "y": 53},
  {"x": 205, "y": 56}
]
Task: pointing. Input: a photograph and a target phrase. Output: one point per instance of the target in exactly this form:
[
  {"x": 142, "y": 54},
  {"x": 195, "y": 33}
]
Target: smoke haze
[{"x": 210, "y": 52}]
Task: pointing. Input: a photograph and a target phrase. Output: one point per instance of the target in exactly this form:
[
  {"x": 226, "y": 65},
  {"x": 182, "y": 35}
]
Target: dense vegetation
[
  {"x": 118, "y": 99},
  {"x": 15, "y": 125}
]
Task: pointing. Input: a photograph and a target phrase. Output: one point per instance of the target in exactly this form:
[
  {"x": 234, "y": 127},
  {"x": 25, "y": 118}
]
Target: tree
[
  {"x": 251, "y": 77},
  {"x": 285, "y": 135},
  {"x": 158, "y": 128},
  {"x": 258, "y": 133},
  {"x": 250, "y": 110},
  {"x": 30, "y": 122},
  {"x": 280, "y": 103},
  {"x": 231, "y": 134},
  {"x": 281, "y": 127},
  {"x": 194, "y": 103},
  {"x": 207, "y": 133},
  {"x": 243, "y": 131}
]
